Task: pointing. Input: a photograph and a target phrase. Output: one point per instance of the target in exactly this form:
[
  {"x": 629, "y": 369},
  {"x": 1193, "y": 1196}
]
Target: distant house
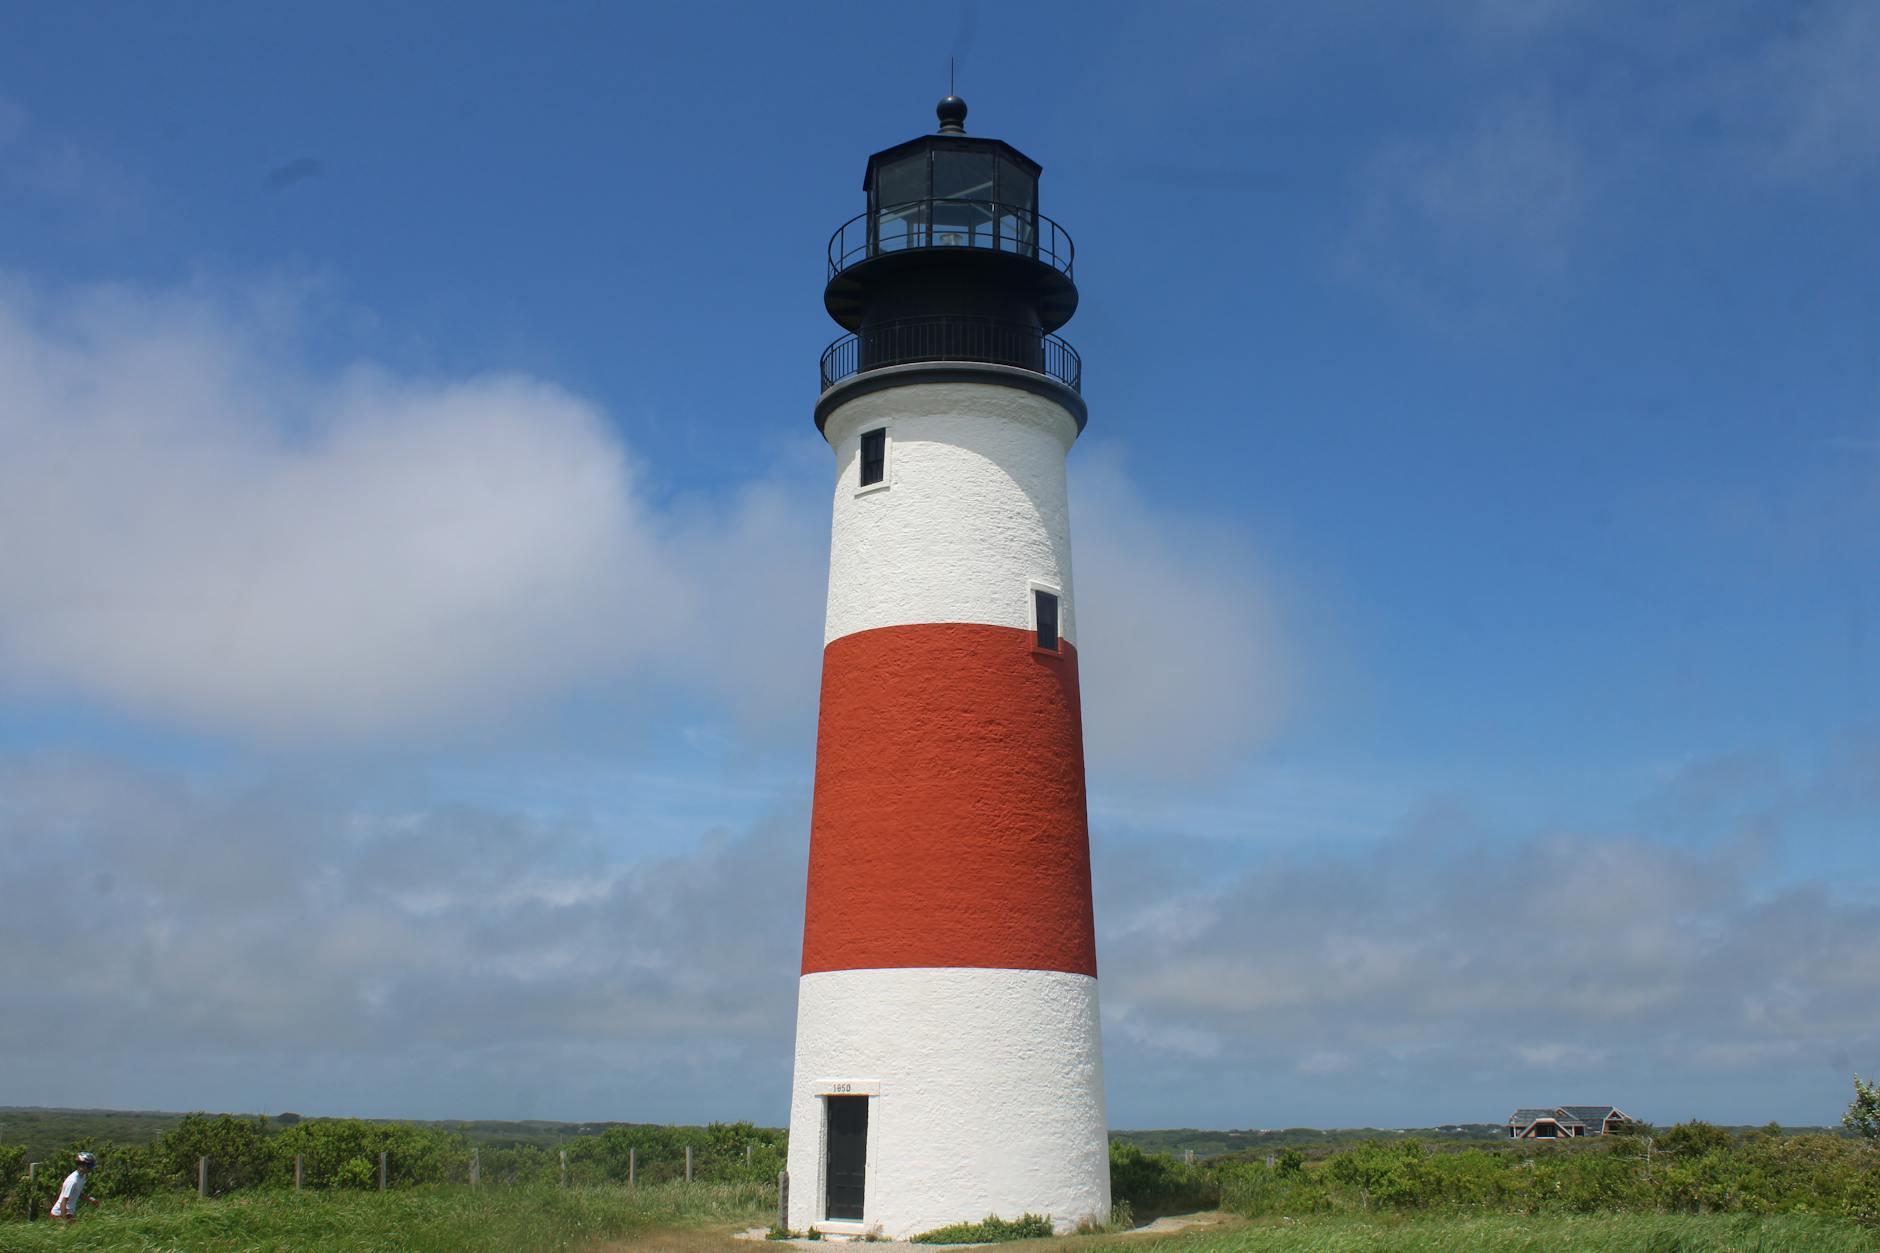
[{"x": 1565, "y": 1122}]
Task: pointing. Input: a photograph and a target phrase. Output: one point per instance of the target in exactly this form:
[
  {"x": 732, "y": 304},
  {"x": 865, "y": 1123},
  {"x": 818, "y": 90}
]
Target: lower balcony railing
[{"x": 910, "y": 340}]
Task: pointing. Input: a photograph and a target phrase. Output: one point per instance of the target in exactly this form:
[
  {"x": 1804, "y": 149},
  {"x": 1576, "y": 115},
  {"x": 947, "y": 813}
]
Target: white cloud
[
  {"x": 1325, "y": 1062},
  {"x": 273, "y": 948},
  {"x": 206, "y": 532},
  {"x": 1457, "y": 222},
  {"x": 12, "y": 121},
  {"x": 166, "y": 944},
  {"x": 1814, "y": 98},
  {"x": 75, "y": 190},
  {"x": 1460, "y": 973},
  {"x": 1552, "y": 1055},
  {"x": 201, "y": 531},
  {"x": 1180, "y": 642}
]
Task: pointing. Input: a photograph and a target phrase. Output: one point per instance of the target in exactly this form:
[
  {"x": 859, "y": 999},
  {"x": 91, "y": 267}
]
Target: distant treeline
[
  {"x": 1216, "y": 1143},
  {"x": 42, "y": 1130},
  {"x": 1317, "y": 1139},
  {"x": 249, "y": 1152}
]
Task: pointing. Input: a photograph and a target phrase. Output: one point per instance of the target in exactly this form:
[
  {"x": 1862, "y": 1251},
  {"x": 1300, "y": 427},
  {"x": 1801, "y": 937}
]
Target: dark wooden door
[{"x": 847, "y": 1163}]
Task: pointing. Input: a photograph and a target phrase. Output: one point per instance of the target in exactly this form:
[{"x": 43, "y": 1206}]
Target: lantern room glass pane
[
  {"x": 901, "y": 204},
  {"x": 963, "y": 223},
  {"x": 901, "y": 181},
  {"x": 962, "y": 175},
  {"x": 1017, "y": 188},
  {"x": 1018, "y": 206}
]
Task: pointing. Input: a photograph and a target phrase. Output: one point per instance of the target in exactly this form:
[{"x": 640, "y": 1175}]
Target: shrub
[
  {"x": 126, "y": 1171},
  {"x": 237, "y": 1150},
  {"x": 354, "y": 1172},
  {"x": 1394, "y": 1174},
  {"x": 13, "y": 1198},
  {"x": 1250, "y": 1189},
  {"x": 718, "y": 1153},
  {"x": 1863, "y": 1112},
  {"x": 1594, "y": 1182},
  {"x": 329, "y": 1147},
  {"x": 991, "y": 1230},
  {"x": 518, "y": 1164},
  {"x": 1693, "y": 1139},
  {"x": 1155, "y": 1183}
]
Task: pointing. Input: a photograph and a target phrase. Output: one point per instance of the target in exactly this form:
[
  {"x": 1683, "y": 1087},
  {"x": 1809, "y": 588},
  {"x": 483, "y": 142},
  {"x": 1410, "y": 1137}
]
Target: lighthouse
[{"x": 948, "y": 1063}]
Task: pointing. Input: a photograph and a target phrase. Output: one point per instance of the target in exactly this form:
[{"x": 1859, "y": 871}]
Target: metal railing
[
  {"x": 951, "y": 224},
  {"x": 910, "y": 340}
]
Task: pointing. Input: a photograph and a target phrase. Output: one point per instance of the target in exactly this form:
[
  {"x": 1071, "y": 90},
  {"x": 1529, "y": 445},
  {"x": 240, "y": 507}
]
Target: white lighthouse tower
[{"x": 948, "y": 1064}]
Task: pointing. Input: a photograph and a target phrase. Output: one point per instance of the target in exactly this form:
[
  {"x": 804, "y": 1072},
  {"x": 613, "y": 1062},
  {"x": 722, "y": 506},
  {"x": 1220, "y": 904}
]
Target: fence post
[
  {"x": 633, "y": 1167},
  {"x": 383, "y": 1154},
  {"x": 202, "y": 1176},
  {"x": 1188, "y": 1155},
  {"x": 688, "y": 1163},
  {"x": 476, "y": 1167},
  {"x": 299, "y": 1170},
  {"x": 1269, "y": 1161},
  {"x": 783, "y": 1200},
  {"x": 32, "y": 1203}
]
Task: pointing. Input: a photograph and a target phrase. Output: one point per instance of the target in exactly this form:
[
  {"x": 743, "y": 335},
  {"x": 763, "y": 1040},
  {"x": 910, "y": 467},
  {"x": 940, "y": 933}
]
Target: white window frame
[
  {"x": 1032, "y": 588},
  {"x": 887, "y": 458}
]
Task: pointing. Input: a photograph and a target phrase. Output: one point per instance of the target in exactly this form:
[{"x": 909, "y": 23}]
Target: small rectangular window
[
  {"x": 874, "y": 456},
  {"x": 1045, "y": 604}
]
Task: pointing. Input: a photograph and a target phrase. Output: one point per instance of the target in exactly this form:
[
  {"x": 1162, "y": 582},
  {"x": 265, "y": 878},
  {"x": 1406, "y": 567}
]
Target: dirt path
[{"x": 751, "y": 1240}]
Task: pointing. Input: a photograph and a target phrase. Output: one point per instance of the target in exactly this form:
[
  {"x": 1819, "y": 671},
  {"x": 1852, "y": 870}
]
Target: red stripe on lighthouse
[{"x": 949, "y": 825}]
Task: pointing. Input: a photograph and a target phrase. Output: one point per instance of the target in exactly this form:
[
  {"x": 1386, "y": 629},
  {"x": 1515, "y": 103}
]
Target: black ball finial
[{"x": 952, "y": 114}]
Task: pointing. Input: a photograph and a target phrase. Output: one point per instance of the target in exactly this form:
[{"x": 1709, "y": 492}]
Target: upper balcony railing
[
  {"x": 951, "y": 224},
  {"x": 907, "y": 341}
]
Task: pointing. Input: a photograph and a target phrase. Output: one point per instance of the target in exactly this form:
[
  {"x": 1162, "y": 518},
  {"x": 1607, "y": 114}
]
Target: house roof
[
  {"x": 1526, "y": 1116},
  {"x": 1590, "y": 1114}
]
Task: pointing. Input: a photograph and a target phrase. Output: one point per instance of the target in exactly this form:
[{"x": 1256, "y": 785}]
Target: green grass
[
  {"x": 443, "y": 1218},
  {"x": 524, "y": 1220},
  {"x": 1595, "y": 1233}
]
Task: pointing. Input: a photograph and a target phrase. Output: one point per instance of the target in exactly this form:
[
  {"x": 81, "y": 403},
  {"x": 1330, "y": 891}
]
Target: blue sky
[{"x": 410, "y": 612}]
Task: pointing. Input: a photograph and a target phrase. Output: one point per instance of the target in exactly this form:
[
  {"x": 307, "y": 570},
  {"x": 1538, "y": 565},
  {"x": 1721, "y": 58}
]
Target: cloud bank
[
  {"x": 273, "y": 947},
  {"x": 208, "y": 533},
  {"x": 209, "y": 536}
]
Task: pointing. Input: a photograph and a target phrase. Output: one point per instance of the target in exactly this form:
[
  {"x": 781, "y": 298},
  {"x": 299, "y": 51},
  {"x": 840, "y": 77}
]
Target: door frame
[{"x": 837, "y": 1086}]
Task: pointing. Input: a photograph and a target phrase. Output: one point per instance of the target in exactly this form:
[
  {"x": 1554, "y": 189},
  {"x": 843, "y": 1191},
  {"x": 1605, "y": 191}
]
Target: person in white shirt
[{"x": 67, "y": 1204}]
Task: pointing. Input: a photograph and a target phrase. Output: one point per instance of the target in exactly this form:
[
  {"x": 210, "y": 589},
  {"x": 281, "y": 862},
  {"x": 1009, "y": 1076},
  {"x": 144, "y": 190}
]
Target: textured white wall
[
  {"x": 990, "y": 1094},
  {"x": 975, "y": 507}
]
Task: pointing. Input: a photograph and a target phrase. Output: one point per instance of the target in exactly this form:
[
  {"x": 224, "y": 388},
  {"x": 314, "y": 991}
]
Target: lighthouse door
[{"x": 846, "y": 1166}]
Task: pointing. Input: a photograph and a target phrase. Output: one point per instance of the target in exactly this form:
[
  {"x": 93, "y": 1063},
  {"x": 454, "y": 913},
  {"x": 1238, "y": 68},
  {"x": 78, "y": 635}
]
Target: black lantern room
[{"x": 951, "y": 261}]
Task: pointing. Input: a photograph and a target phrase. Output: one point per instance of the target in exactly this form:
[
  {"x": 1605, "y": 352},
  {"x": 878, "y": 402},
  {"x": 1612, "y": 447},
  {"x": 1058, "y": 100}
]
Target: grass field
[
  {"x": 1600, "y": 1233},
  {"x": 703, "y": 1217}
]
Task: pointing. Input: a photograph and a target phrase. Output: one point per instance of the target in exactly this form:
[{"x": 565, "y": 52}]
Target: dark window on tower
[
  {"x": 874, "y": 456},
  {"x": 1046, "y": 606}
]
